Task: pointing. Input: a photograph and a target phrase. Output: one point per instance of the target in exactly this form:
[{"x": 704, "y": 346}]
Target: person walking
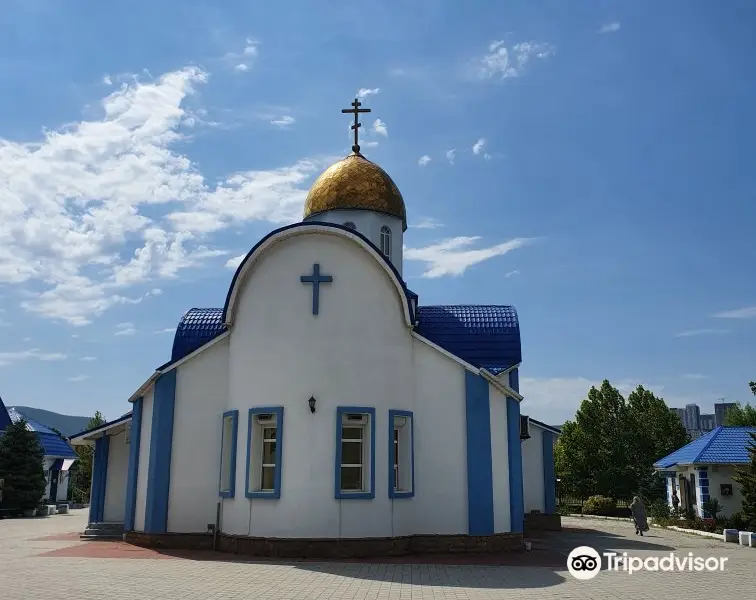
[{"x": 638, "y": 510}]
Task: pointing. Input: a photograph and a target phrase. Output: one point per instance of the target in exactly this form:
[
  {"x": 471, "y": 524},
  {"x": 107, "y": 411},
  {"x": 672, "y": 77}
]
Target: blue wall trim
[
  {"x": 410, "y": 416},
  {"x": 229, "y": 493},
  {"x": 549, "y": 474},
  {"x": 99, "y": 479},
  {"x": 253, "y": 412},
  {"x": 161, "y": 444},
  {"x": 514, "y": 447},
  {"x": 480, "y": 498},
  {"x": 370, "y": 494},
  {"x": 133, "y": 474}
]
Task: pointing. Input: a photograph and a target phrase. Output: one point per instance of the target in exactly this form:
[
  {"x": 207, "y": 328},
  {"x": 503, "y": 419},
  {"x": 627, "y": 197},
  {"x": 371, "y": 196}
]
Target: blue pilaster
[
  {"x": 133, "y": 473},
  {"x": 702, "y": 483},
  {"x": 549, "y": 473},
  {"x": 514, "y": 447},
  {"x": 99, "y": 479},
  {"x": 161, "y": 443},
  {"x": 480, "y": 499}
]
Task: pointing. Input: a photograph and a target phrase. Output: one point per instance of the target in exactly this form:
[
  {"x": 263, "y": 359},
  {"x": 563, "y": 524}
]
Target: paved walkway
[{"x": 40, "y": 557}]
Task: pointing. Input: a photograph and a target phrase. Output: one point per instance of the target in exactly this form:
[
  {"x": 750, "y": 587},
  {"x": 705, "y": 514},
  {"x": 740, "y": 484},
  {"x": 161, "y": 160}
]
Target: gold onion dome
[{"x": 355, "y": 183}]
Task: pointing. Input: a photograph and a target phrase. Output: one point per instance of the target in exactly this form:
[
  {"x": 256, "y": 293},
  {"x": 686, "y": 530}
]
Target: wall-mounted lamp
[{"x": 311, "y": 402}]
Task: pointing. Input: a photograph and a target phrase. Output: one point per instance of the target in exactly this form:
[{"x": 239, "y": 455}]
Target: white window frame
[
  {"x": 386, "y": 241},
  {"x": 347, "y": 418},
  {"x": 229, "y": 438},
  {"x": 401, "y": 463},
  {"x": 260, "y": 420}
]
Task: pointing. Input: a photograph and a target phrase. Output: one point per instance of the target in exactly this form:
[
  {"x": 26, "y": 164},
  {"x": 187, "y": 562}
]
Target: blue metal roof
[
  {"x": 123, "y": 418},
  {"x": 196, "y": 328},
  {"x": 486, "y": 336},
  {"x": 723, "y": 445},
  {"x": 52, "y": 444}
]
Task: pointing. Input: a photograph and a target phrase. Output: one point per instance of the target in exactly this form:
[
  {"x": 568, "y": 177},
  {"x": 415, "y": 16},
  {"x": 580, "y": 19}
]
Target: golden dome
[{"x": 355, "y": 183}]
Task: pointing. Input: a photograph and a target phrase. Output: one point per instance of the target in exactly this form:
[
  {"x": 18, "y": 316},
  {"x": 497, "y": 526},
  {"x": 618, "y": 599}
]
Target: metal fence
[{"x": 567, "y": 500}]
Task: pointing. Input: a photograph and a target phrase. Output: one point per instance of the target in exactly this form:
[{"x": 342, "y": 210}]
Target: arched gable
[{"x": 247, "y": 266}]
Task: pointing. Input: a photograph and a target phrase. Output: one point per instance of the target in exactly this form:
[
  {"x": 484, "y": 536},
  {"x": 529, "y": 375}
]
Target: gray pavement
[{"x": 34, "y": 566}]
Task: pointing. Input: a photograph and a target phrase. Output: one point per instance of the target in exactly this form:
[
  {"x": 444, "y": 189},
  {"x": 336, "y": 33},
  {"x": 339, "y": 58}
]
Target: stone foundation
[
  {"x": 332, "y": 548},
  {"x": 543, "y": 522}
]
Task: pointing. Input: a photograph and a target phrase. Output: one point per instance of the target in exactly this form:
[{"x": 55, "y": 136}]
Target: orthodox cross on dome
[
  {"x": 316, "y": 279},
  {"x": 356, "y": 110}
]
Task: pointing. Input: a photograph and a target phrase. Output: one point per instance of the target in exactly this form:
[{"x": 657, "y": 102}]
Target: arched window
[
  {"x": 386, "y": 241},
  {"x": 350, "y": 225}
]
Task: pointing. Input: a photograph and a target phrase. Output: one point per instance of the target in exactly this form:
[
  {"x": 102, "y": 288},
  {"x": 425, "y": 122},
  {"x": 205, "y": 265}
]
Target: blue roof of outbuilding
[
  {"x": 52, "y": 444},
  {"x": 486, "y": 336},
  {"x": 723, "y": 445}
]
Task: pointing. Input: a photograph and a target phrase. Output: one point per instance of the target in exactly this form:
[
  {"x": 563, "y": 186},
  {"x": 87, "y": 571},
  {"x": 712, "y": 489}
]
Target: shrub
[
  {"x": 712, "y": 508},
  {"x": 566, "y": 509},
  {"x": 599, "y": 505},
  {"x": 737, "y": 521},
  {"x": 659, "y": 510}
]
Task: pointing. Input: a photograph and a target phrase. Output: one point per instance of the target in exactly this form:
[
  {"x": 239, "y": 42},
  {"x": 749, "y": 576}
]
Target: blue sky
[{"x": 144, "y": 146}]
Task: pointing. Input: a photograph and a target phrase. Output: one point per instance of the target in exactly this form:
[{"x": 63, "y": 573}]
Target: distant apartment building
[{"x": 696, "y": 424}]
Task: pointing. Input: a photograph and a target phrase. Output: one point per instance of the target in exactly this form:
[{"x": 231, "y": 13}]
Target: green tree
[
  {"x": 753, "y": 387},
  {"x": 741, "y": 415},
  {"x": 656, "y": 432},
  {"x": 746, "y": 477},
  {"x": 21, "y": 468},
  {"x": 86, "y": 458}
]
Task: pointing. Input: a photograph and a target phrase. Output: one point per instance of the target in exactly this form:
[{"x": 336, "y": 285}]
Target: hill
[{"x": 68, "y": 425}]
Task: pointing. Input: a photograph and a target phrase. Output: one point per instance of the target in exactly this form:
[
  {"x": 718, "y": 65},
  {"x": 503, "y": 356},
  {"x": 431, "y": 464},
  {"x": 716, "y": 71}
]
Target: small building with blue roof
[
  {"x": 59, "y": 456},
  {"x": 703, "y": 469},
  {"x": 324, "y": 402}
]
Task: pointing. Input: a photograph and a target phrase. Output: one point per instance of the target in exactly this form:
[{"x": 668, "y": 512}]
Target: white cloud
[
  {"x": 694, "y": 376},
  {"x": 379, "y": 127},
  {"x": 166, "y": 330},
  {"x": 503, "y": 62},
  {"x": 370, "y": 144},
  {"x": 511, "y": 273},
  {"x": 423, "y": 160},
  {"x": 241, "y": 68},
  {"x": 450, "y": 156},
  {"x": 251, "y": 48},
  {"x": 426, "y": 223},
  {"x": 98, "y": 209},
  {"x": 363, "y": 93},
  {"x": 478, "y": 146},
  {"x": 284, "y": 121},
  {"x": 739, "y": 313},
  {"x": 78, "y": 378},
  {"x": 696, "y": 332},
  {"x": 233, "y": 263},
  {"x": 555, "y": 400},
  {"x": 452, "y": 257},
  {"x": 107, "y": 80},
  {"x": 242, "y": 61},
  {"x": 610, "y": 27},
  {"x": 125, "y": 329},
  {"x": 88, "y": 358},
  {"x": 9, "y": 358}
]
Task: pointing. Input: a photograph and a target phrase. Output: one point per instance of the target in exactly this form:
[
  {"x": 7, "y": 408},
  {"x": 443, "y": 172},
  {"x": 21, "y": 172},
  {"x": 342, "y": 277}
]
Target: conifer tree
[
  {"x": 746, "y": 477},
  {"x": 21, "y": 468}
]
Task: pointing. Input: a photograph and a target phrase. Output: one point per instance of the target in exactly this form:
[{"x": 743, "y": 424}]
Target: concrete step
[
  {"x": 103, "y": 531},
  {"x": 101, "y": 538},
  {"x": 106, "y": 526}
]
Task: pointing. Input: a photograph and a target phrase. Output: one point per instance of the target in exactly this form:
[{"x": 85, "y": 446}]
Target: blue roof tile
[
  {"x": 486, "y": 336},
  {"x": 723, "y": 445},
  {"x": 52, "y": 444},
  {"x": 196, "y": 328}
]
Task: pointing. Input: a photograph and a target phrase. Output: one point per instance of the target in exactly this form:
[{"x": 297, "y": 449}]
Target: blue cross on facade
[{"x": 316, "y": 279}]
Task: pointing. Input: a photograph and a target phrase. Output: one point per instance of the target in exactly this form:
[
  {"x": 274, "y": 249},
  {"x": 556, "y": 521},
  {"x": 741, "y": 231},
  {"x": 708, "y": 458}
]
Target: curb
[
  {"x": 708, "y": 534},
  {"x": 600, "y": 518}
]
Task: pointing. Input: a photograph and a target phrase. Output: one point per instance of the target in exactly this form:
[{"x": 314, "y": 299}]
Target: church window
[
  {"x": 386, "y": 242},
  {"x": 264, "y": 451},
  {"x": 350, "y": 225},
  {"x": 227, "y": 486},
  {"x": 401, "y": 454},
  {"x": 355, "y": 455}
]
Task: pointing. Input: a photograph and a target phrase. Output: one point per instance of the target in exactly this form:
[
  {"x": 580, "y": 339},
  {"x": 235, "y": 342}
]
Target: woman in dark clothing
[{"x": 638, "y": 511}]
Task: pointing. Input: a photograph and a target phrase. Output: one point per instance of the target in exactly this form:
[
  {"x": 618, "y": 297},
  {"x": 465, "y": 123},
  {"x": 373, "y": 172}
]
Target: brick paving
[{"x": 43, "y": 558}]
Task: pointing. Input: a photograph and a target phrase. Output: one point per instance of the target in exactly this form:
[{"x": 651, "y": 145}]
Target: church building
[{"x": 323, "y": 410}]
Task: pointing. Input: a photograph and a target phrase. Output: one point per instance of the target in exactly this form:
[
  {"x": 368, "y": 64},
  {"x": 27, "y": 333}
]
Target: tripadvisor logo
[{"x": 584, "y": 563}]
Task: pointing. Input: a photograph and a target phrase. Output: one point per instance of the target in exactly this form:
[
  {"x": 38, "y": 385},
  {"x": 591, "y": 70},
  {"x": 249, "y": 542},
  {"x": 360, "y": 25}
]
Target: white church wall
[
  {"x": 356, "y": 352},
  {"x": 144, "y": 461},
  {"x": 500, "y": 460},
  {"x": 369, "y": 224},
  {"x": 201, "y": 399},
  {"x": 440, "y": 503},
  {"x": 722, "y": 474},
  {"x": 115, "y": 485},
  {"x": 532, "y": 471}
]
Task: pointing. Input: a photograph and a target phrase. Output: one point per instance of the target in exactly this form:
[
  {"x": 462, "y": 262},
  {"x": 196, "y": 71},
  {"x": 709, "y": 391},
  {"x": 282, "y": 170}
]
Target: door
[{"x": 54, "y": 476}]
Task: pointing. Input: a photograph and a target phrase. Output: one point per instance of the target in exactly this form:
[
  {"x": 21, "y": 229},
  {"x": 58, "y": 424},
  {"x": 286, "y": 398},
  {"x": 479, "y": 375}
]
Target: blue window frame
[
  {"x": 401, "y": 445},
  {"x": 229, "y": 428},
  {"x": 264, "y": 452},
  {"x": 354, "y": 470}
]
